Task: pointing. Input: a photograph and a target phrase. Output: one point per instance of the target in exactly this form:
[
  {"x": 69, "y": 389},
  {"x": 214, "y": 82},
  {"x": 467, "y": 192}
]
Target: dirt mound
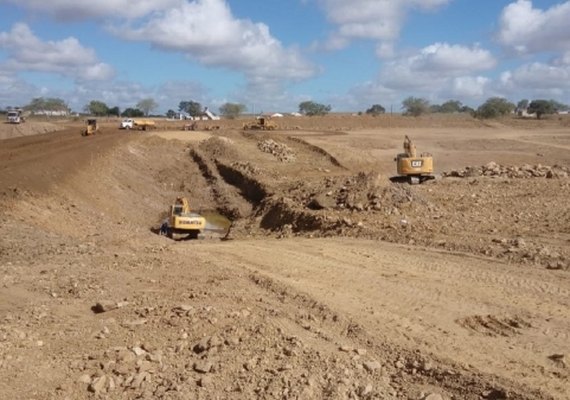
[
  {"x": 279, "y": 150},
  {"x": 29, "y": 128},
  {"x": 493, "y": 169}
]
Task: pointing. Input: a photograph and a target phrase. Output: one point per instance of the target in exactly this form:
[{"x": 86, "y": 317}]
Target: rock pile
[
  {"x": 281, "y": 151},
  {"x": 524, "y": 171}
]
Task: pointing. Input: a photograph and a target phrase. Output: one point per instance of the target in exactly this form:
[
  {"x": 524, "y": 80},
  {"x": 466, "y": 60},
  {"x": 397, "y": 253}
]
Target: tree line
[{"x": 413, "y": 106}]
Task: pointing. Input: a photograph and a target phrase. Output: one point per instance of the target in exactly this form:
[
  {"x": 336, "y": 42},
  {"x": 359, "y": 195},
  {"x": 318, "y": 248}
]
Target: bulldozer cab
[{"x": 91, "y": 127}]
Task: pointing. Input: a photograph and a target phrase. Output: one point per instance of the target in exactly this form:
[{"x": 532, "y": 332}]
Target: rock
[
  {"x": 98, "y": 384},
  {"x": 322, "y": 202},
  {"x": 85, "y": 378},
  {"x": 361, "y": 352},
  {"x": 433, "y": 396},
  {"x": 138, "y": 351},
  {"x": 205, "y": 381},
  {"x": 104, "y": 306},
  {"x": 365, "y": 390},
  {"x": 203, "y": 367},
  {"x": 346, "y": 349},
  {"x": 138, "y": 379},
  {"x": 371, "y": 366}
]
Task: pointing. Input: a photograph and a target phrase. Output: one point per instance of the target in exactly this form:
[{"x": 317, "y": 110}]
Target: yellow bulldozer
[
  {"x": 411, "y": 167},
  {"x": 182, "y": 221},
  {"x": 260, "y": 124},
  {"x": 91, "y": 128}
]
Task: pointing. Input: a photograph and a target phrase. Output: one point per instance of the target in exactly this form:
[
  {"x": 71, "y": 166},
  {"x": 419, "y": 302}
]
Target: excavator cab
[
  {"x": 412, "y": 168},
  {"x": 183, "y": 222}
]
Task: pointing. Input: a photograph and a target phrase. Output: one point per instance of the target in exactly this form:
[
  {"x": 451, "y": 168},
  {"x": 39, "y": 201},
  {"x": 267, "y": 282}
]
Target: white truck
[
  {"x": 137, "y": 123},
  {"x": 15, "y": 116}
]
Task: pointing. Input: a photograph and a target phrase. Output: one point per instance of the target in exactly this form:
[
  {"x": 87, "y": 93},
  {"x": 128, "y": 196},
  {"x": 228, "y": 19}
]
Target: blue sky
[{"x": 273, "y": 54}]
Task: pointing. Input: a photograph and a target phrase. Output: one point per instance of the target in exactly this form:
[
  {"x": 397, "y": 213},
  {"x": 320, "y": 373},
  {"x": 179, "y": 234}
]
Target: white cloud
[
  {"x": 435, "y": 66},
  {"x": 206, "y": 30},
  {"x": 66, "y": 57},
  {"x": 379, "y": 20},
  {"x": 468, "y": 87},
  {"x": 525, "y": 29},
  {"x": 84, "y": 9},
  {"x": 538, "y": 78}
]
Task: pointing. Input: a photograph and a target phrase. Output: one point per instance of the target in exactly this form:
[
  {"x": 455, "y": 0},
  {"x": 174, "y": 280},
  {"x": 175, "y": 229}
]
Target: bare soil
[{"x": 335, "y": 283}]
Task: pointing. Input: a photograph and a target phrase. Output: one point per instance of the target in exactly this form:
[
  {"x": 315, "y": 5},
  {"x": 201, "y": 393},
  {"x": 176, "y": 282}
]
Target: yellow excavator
[
  {"x": 181, "y": 221},
  {"x": 412, "y": 168}
]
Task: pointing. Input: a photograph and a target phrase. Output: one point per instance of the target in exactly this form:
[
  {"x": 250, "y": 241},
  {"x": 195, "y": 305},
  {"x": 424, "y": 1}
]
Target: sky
[{"x": 272, "y": 55}]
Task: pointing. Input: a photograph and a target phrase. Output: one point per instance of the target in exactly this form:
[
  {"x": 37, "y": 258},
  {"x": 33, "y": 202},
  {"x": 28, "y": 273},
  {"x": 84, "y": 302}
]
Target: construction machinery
[
  {"x": 91, "y": 128},
  {"x": 181, "y": 221},
  {"x": 138, "y": 123},
  {"x": 15, "y": 116},
  {"x": 260, "y": 123},
  {"x": 411, "y": 167}
]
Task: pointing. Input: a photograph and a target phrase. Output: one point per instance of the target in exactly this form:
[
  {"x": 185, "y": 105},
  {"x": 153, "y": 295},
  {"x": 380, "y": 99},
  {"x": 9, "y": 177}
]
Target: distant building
[{"x": 51, "y": 113}]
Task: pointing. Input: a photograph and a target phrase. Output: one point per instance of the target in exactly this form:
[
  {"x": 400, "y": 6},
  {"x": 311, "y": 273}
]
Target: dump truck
[
  {"x": 182, "y": 221},
  {"x": 15, "y": 116},
  {"x": 91, "y": 128},
  {"x": 260, "y": 123},
  {"x": 137, "y": 123},
  {"x": 411, "y": 167}
]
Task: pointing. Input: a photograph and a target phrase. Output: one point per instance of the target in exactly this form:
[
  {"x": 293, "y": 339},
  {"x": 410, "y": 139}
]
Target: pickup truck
[{"x": 136, "y": 123}]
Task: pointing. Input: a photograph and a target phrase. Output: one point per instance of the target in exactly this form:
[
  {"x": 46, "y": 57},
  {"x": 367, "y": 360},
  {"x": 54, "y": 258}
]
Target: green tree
[
  {"x": 192, "y": 108},
  {"x": 415, "y": 106},
  {"x": 171, "y": 114},
  {"x": 467, "y": 109},
  {"x": 522, "y": 105},
  {"x": 495, "y": 107},
  {"x": 451, "y": 106},
  {"x": 232, "y": 110},
  {"x": 132, "y": 113},
  {"x": 311, "y": 108},
  {"x": 98, "y": 108},
  {"x": 559, "y": 106},
  {"x": 541, "y": 107},
  {"x": 376, "y": 109},
  {"x": 147, "y": 105},
  {"x": 47, "y": 104},
  {"x": 115, "y": 111}
]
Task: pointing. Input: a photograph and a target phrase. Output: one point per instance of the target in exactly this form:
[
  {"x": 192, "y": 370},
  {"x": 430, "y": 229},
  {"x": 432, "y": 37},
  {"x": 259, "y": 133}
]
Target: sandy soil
[{"x": 335, "y": 284}]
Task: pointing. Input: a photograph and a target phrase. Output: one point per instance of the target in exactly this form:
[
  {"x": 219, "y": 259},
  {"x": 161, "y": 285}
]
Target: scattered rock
[
  {"x": 203, "y": 366},
  {"x": 371, "y": 366}
]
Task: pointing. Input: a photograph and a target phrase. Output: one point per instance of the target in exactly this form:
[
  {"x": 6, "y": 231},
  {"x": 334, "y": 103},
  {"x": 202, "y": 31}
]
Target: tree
[
  {"x": 311, "y": 108},
  {"x": 232, "y": 110},
  {"x": 495, "y": 107},
  {"x": 171, "y": 114},
  {"x": 467, "y": 109},
  {"x": 115, "y": 111},
  {"x": 98, "y": 108},
  {"x": 192, "y": 108},
  {"x": 559, "y": 106},
  {"x": 541, "y": 107},
  {"x": 132, "y": 113},
  {"x": 147, "y": 105},
  {"x": 522, "y": 105},
  {"x": 451, "y": 106},
  {"x": 375, "y": 110},
  {"x": 415, "y": 106},
  {"x": 47, "y": 104}
]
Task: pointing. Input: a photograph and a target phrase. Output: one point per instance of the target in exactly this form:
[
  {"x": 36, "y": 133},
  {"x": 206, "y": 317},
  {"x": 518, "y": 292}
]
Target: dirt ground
[{"x": 335, "y": 283}]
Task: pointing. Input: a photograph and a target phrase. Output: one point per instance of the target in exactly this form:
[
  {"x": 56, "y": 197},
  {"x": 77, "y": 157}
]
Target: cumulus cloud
[
  {"x": 525, "y": 29},
  {"x": 66, "y": 57},
  {"x": 538, "y": 79},
  {"x": 84, "y": 9},
  {"x": 436, "y": 65},
  {"x": 379, "y": 20},
  {"x": 206, "y": 30}
]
